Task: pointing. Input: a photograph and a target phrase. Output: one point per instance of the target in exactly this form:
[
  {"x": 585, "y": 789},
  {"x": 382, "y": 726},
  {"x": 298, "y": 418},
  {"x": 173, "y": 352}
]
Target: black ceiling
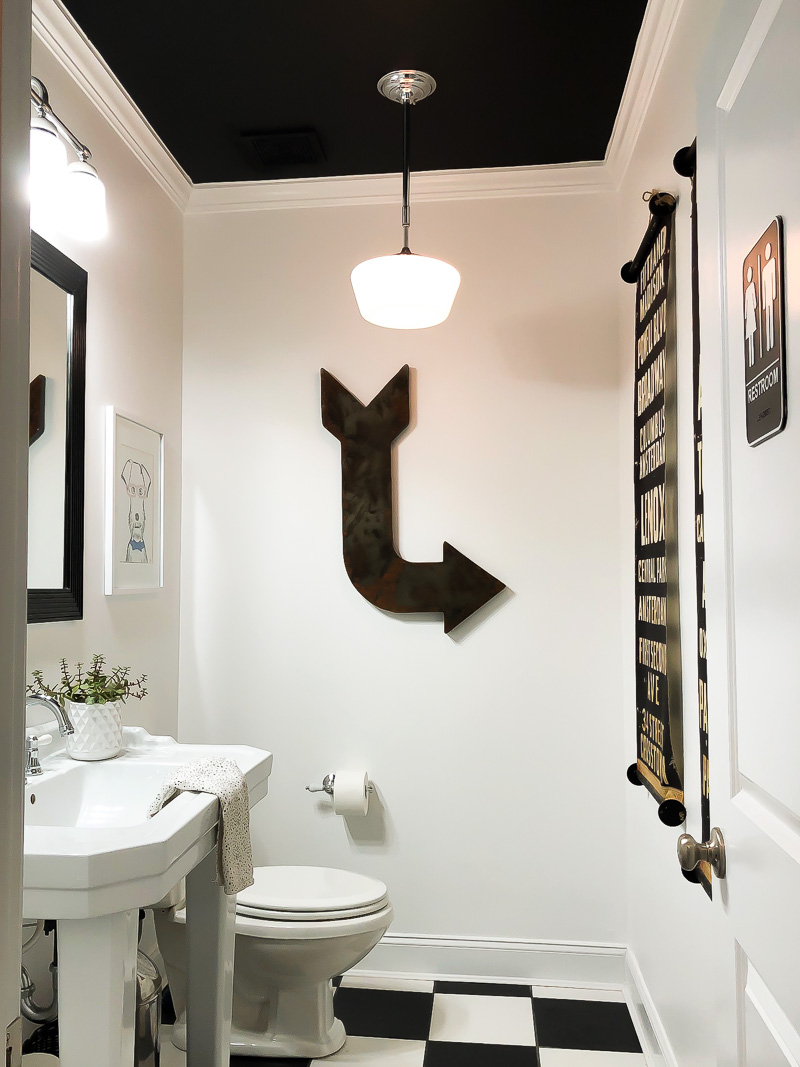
[{"x": 519, "y": 82}]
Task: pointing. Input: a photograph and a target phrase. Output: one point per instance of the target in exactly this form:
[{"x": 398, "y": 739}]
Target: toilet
[{"x": 296, "y": 928}]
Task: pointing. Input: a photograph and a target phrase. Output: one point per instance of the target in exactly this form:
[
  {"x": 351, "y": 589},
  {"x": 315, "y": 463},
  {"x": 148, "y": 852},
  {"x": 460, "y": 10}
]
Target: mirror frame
[{"x": 58, "y": 605}]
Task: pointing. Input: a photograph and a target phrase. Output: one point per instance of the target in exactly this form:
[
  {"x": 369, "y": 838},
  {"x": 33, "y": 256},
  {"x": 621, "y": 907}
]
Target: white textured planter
[{"x": 98, "y": 730}]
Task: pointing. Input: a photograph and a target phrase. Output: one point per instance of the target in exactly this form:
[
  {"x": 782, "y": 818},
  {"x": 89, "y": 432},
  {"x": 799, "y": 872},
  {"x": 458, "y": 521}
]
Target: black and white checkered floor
[{"x": 415, "y": 1023}]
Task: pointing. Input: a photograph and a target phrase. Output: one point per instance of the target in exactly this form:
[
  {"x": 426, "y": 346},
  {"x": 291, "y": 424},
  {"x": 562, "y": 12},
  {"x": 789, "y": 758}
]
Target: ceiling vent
[{"x": 294, "y": 148}]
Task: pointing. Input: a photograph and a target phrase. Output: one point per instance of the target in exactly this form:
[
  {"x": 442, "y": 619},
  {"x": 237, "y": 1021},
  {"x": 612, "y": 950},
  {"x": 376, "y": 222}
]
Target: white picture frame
[{"x": 134, "y": 522}]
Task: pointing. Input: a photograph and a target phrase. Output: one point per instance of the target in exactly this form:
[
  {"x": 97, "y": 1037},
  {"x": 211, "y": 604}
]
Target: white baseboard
[
  {"x": 565, "y": 963},
  {"x": 658, "y": 1051}
]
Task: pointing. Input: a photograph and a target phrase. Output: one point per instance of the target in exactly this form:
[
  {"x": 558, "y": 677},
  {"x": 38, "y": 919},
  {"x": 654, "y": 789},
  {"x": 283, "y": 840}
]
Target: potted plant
[{"x": 93, "y": 701}]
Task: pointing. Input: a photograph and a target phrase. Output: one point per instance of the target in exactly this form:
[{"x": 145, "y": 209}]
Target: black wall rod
[{"x": 661, "y": 205}]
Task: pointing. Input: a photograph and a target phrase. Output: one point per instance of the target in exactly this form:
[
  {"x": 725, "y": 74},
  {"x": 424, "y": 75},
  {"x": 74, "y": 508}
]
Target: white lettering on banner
[
  {"x": 652, "y": 290},
  {"x": 651, "y": 382},
  {"x": 654, "y": 256},
  {"x": 652, "y": 570},
  {"x": 654, "y": 457},
  {"x": 653, "y": 654},
  {"x": 651, "y": 527},
  {"x": 650, "y": 336}
]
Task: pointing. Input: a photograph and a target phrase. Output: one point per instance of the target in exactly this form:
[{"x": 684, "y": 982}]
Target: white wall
[
  {"x": 500, "y": 811},
  {"x": 133, "y": 361},
  {"x": 670, "y": 921}
]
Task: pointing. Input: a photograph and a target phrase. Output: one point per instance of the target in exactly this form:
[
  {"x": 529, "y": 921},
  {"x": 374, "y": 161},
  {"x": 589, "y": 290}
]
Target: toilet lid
[{"x": 311, "y": 893}]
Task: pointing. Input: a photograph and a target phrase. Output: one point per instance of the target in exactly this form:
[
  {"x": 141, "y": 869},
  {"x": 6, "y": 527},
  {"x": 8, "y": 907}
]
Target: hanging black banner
[
  {"x": 684, "y": 163},
  {"x": 659, "y": 764}
]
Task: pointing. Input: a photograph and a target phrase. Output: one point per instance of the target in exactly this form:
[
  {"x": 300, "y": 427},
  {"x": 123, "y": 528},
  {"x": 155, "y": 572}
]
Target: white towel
[{"x": 220, "y": 776}]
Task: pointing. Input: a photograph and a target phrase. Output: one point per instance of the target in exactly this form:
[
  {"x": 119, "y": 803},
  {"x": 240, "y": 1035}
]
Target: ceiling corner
[{"x": 64, "y": 39}]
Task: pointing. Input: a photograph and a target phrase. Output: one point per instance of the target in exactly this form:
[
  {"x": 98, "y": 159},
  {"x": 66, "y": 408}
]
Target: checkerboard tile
[
  {"x": 567, "y": 1057},
  {"x": 583, "y": 1024},
  {"x": 555, "y": 992},
  {"x": 409, "y": 1022},
  {"x": 482, "y": 1020},
  {"x": 460, "y": 1054},
  {"x": 387, "y": 981},
  {"x": 369, "y": 1051},
  {"x": 392, "y": 1013}
]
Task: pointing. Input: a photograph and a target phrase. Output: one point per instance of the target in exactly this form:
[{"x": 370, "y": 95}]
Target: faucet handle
[{"x": 32, "y": 742}]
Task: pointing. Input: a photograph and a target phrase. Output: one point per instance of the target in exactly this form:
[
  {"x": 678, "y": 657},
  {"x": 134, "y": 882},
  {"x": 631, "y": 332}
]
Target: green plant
[{"x": 93, "y": 686}]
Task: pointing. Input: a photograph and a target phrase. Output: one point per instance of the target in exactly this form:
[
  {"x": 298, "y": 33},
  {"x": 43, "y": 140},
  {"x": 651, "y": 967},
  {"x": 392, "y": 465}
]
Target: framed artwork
[{"x": 134, "y": 554}]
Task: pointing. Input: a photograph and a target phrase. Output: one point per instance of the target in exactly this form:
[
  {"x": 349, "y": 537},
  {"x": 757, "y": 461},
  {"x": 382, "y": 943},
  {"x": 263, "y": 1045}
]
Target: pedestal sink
[{"x": 93, "y": 858}]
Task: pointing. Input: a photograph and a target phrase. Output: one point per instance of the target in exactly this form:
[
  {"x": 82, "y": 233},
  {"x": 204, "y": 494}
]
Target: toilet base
[{"x": 300, "y": 1025}]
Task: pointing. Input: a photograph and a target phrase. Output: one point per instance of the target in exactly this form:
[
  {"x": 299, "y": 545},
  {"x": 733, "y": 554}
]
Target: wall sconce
[
  {"x": 69, "y": 196},
  {"x": 405, "y": 291}
]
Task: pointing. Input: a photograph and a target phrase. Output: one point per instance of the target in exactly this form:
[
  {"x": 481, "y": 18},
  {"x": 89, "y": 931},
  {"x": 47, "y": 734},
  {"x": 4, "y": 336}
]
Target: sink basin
[
  {"x": 112, "y": 793},
  {"x": 77, "y": 862}
]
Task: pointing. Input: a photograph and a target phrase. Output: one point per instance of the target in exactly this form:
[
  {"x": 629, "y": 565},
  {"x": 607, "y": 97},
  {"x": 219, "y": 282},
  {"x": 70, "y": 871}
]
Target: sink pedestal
[
  {"x": 97, "y": 990},
  {"x": 210, "y": 932},
  {"x": 93, "y": 857},
  {"x": 97, "y": 980}
]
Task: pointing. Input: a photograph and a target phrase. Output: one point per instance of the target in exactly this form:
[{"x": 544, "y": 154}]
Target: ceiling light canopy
[
  {"x": 70, "y": 197},
  {"x": 405, "y": 291}
]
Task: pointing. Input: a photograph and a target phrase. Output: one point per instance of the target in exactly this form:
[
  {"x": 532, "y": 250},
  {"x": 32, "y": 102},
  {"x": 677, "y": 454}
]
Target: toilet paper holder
[{"x": 327, "y": 786}]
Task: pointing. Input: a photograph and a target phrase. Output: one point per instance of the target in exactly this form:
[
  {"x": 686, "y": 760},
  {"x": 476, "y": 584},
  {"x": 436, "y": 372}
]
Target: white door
[
  {"x": 15, "y": 35},
  {"x": 748, "y": 173}
]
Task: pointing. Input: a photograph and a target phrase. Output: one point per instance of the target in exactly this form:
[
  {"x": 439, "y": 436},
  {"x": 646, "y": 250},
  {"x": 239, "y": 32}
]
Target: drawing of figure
[
  {"x": 750, "y": 317},
  {"x": 137, "y": 484},
  {"x": 769, "y": 294}
]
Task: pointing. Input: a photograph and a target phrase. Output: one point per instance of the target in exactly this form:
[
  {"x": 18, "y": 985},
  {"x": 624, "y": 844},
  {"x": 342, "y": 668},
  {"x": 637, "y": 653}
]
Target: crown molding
[
  {"x": 61, "y": 35},
  {"x": 652, "y": 44},
  {"x": 492, "y": 183},
  {"x": 64, "y": 39}
]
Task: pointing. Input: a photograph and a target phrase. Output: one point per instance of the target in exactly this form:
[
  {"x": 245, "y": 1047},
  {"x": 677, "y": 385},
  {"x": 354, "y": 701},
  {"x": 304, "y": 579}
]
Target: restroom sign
[{"x": 764, "y": 347}]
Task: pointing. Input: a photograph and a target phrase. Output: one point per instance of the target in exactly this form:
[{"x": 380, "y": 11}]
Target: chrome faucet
[{"x": 39, "y": 700}]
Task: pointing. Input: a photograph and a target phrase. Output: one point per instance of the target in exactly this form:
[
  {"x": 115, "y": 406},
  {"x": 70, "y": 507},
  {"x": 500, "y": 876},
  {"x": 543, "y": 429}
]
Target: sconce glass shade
[
  {"x": 83, "y": 203},
  {"x": 405, "y": 291},
  {"x": 48, "y": 163}
]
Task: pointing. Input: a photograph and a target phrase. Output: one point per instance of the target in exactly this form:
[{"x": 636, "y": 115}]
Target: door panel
[
  {"x": 769, "y": 1038},
  {"x": 761, "y": 154},
  {"x": 748, "y": 160}
]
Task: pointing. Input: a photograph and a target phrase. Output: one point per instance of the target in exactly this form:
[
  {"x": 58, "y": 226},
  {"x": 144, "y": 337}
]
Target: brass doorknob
[{"x": 691, "y": 852}]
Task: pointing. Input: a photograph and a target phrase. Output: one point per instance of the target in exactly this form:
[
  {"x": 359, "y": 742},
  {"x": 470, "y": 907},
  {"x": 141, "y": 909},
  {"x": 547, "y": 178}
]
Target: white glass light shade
[
  {"x": 405, "y": 291},
  {"x": 82, "y": 207},
  {"x": 48, "y": 163}
]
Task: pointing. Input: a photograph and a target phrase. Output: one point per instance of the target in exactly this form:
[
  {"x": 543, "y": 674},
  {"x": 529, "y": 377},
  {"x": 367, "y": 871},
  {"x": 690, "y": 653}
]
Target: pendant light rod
[
  {"x": 41, "y": 101},
  {"x": 406, "y": 87},
  {"x": 406, "y": 172}
]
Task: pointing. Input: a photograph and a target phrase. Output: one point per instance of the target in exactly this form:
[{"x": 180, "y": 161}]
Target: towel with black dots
[{"x": 221, "y": 776}]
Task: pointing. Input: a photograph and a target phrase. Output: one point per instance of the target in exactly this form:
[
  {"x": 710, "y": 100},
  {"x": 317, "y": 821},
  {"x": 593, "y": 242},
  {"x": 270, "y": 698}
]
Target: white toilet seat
[
  {"x": 310, "y": 894},
  {"x": 314, "y": 929}
]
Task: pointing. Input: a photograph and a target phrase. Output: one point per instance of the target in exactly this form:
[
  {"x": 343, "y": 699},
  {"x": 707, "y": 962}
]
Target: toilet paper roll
[{"x": 350, "y": 793}]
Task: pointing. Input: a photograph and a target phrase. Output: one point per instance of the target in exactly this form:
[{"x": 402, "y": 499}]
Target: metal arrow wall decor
[{"x": 456, "y": 586}]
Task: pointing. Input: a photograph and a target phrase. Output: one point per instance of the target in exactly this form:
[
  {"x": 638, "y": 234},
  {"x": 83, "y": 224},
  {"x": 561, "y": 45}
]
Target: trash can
[{"x": 147, "y": 1050}]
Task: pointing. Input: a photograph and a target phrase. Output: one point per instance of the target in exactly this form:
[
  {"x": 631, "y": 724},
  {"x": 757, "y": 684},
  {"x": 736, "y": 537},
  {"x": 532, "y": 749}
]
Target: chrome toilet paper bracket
[{"x": 327, "y": 786}]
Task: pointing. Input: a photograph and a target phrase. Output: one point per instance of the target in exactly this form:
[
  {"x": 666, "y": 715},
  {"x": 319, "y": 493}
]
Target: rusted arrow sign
[{"x": 456, "y": 586}]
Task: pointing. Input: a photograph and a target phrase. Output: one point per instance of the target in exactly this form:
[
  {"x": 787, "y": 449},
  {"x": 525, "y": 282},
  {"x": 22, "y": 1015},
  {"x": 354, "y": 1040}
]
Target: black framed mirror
[{"x": 56, "y": 442}]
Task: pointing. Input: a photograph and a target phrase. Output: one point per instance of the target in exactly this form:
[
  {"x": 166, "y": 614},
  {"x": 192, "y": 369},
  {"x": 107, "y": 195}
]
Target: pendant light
[{"x": 405, "y": 291}]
